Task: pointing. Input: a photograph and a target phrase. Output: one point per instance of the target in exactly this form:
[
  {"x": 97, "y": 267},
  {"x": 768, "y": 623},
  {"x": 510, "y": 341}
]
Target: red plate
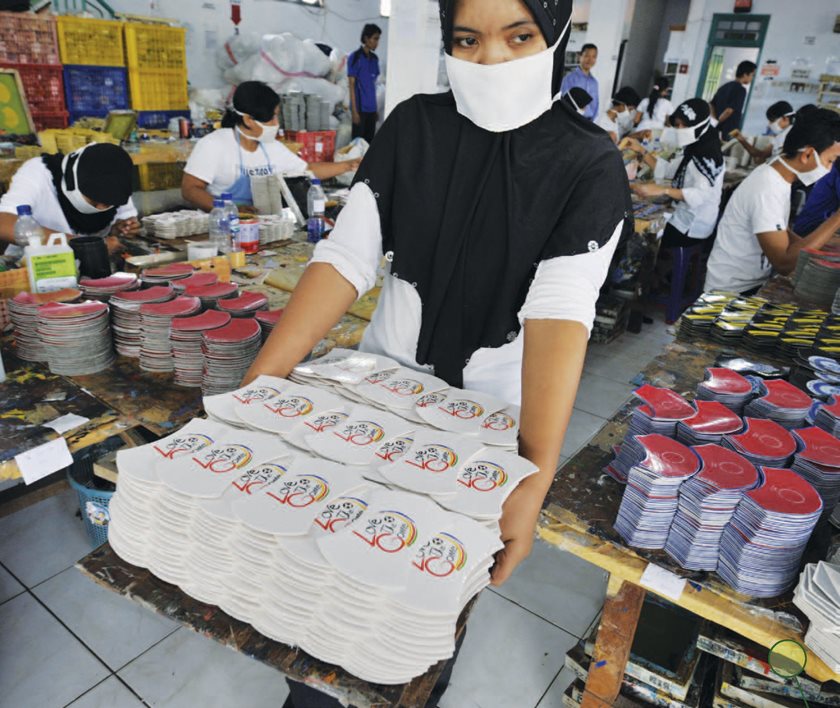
[
  {"x": 173, "y": 269},
  {"x": 833, "y": 407},
  {"x": 785, "y": 492},
  {"x": 713, "y": 417},
  {"x": 821, "y": 447},
  {"x": 156, "y": 292},
  {"x": 66, "y": 295},
  {"x": 724, "y": 380},
  {"x": 665, "y": 403},
  {"x": 209, "y": 319},
  {"x": 198, "y": 280},
  {"x": 786, "y": 395},
  {"x": 215, "y": 290},
  {"x": 112, "y": 281},
  {"x": 269, "y": 317},
  {"x": 765, "y": 438},
  {"x": 174, "y": 308},
  {"x": 667, "y": 457},
  {"x": 236, "y": 330},
  {"x": 245, "y": 301},
  {"x": 724, "y": 468}
]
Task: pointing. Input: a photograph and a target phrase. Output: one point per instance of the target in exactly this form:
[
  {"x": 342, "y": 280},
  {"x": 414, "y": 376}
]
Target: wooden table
[{"x": 578, "y": 517}]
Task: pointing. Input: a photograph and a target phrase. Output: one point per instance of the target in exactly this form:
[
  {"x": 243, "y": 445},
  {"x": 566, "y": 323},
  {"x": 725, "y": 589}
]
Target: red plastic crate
[
  {"x": 317, "y": 145},
  {"x": 43, "y": 85},
  {"x": 26, "y": 38},
  {"x": 46, "y": 120}
]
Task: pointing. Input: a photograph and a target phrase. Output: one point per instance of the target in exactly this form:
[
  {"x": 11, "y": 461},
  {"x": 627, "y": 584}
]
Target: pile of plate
[
  {"x": 125, "y": 316},
  {"x": 244, "y": 305},
  {"x": 211, "y": 294},
  {"x": 76, "y": 337},
  {"x": 268, "y": 319},
  {"x": 177, "y": 224},
  {"x": 762, "y": 545},
  {"x": 712, "y": 421},
  {"x": 727, "y": 387},
  {"x": 765, "y": 443},
  {"x": 662, "y": 409},
  {"x": 228, "y": 353},
  {"x": 186, "y": 336},
  {"x": 827, "y": 416},
  {"x": 196, "y": 280},
  {"x": 707, "y": 502},
  {"x": 166, "y": 274},
  {"x": 818, "y": 460},
  {"x": 651, "y": 496},
  {"x": 818, "y": 596},
  {"x": 103, "y": 288},
  {"x": 819, "y": 281},
  {"x": 155, "y": 323},
  {"x": 779, "y": 401},
  {"x": 23, "y": 311}
]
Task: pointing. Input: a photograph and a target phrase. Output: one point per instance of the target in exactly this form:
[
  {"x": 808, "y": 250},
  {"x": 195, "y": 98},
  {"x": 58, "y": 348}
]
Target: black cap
[
  {"x": 627, "y": 95},
  {"x": 104, "y": 173}
]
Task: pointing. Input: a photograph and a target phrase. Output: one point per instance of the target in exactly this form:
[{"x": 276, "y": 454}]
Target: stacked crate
[
  {"x": 157, "y": 71},
  {"x": 95, "y": 77},
  {"x": 28, "y": 44}
]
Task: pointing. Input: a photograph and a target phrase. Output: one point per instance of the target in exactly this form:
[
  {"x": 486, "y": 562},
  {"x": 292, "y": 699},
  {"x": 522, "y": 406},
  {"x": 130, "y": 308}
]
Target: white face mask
[
  {"x": 74, "y": 196},
  {"x": 624, "y": 120},
  {"x": 687, "y": 136},
  {"x": 668, "y": 137},
  {"x": 775, "y": 128},
  {"x": 808, "y": 177},
  {"x": 505, "y": 96},
  {"x": 268, "y": 134}
]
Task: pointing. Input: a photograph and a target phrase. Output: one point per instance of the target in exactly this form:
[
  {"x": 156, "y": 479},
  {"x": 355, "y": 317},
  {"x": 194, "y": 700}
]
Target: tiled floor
[{"x": 65, "y": 641}]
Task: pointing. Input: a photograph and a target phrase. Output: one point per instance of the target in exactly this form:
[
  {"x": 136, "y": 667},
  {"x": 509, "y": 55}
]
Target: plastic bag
[{"x": 357, "y": 148}]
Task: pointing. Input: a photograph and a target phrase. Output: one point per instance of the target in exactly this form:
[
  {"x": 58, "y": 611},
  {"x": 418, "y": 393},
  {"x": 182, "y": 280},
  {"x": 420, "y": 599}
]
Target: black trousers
[
  {"x": 366, "y": 127},
  {"x": 674, "y": 238}
]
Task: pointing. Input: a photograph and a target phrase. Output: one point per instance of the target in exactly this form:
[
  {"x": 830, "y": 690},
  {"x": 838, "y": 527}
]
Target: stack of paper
[
  {"x": 712, "y": 421},
  {"x": 763, "y": 442},
  {"x": 727, "y": 387},
  {"x": 780, "y": 401},
  {"x": 818, "y": 596},
  {"x": 818, "y": 460}
]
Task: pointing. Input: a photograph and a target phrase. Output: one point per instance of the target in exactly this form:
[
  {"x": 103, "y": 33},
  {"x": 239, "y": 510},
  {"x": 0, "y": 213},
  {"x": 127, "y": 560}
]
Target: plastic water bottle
[
  {"x": 232, "y": 212},
  {"x": 317, "y": 204},
  {"x": 219, "y": 233},
  {"x": 26, "y": 227}
]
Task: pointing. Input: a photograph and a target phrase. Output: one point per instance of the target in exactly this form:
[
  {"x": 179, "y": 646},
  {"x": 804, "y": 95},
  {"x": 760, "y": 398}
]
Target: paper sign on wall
[{"x": 43, "y": 460}]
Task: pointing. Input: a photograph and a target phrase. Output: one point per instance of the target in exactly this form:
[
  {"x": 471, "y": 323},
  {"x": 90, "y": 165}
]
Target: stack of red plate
[
  {"x": 267, "y": 320},
  {"x": 245, "y": 305},
  {"x": 155, "y": 321},
  {"x": 76, "y": 337},
  {"x": 166, "y": 274},
  {"x": 23, "y": 311},
  {"x": 186, "y": 337},
  {"x": 228, "y": 353},
  {"x": 103, "y": 288},
  {"x": 125, "y": 309},
  {"x": 211, "y": 294},
  {"x": 196, "y": 280}
]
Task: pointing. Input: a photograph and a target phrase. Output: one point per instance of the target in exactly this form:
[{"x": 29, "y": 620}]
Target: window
[{"x": 385, "y": 8}]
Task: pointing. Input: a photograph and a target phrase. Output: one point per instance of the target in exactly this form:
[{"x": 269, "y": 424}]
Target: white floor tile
[
  {"x": 111, "y": 693},
  {"x": 581, "y": 428},
  {"x": 601, "y": 396},
  {"x": 186, "y": 670},
  {"x": 509, "y": 657},
  {"x": 554, "y": 696},
  {"x": 559, "y": 587},
  {"x": 41, "y": 663},
  {"x": 43, "y": 539},
  {"x": 9, "y": 587},
  {"x": 614, "y": 366},
  {"x": 115, "y": 628}
]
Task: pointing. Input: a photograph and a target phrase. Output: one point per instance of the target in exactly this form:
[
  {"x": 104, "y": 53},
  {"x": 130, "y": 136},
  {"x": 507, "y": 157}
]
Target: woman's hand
[
  {"x": 126, "y": 227},
  {"x": 646, "y": 189},
  {"x": 352, "y": 165},
  {"x": 519, "y": 520},
  {"x": 632, "y": 144},
  {"x": 114, "y": 245}
]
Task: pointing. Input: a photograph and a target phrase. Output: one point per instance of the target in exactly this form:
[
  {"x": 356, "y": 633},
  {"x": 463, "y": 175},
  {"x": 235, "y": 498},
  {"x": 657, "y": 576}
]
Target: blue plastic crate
[
  {"x": 158, "y": 119},
  {"x": 93, "y": 501},
  {"x": 95, "y": 90}
]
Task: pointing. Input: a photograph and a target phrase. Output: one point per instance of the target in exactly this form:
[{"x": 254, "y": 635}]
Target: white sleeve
[
  {"x": 666, "y": 169},
  {"x": 354, "y": 247},
  {"x": 203, "y": 160},
  {"x": 126, "y": 211},
  {"x": 26, "y": 188},
  {"x": 697, "y": 191},
  {"x": 288, "y": 162},
  {"x": 567, "y": 287},
  {"x": 768, "y": 213}
]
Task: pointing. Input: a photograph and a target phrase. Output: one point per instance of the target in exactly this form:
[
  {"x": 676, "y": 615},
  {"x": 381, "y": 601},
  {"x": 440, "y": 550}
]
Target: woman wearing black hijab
[
  {"x": 578, "y": 99},
  {"x": 696, "y": 175},
  {"x": 499, "y": 211}
]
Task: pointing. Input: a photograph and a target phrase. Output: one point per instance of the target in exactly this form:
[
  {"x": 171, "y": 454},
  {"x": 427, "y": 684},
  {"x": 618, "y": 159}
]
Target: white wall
[
  {"x": 414, "y": 43},
  {"x": 790, "y": 24},
  {"x": 607, "y": 22},
  {"x": 208, "y": 22}
]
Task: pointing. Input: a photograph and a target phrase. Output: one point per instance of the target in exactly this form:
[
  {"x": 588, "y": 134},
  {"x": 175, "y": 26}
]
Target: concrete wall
[{"x": 640, "y": 57}]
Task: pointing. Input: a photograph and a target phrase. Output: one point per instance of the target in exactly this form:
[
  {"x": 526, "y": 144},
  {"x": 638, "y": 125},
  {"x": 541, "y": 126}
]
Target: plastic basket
[
  {"x": 46, "y": 120},
  {"x": 26, "y": 38},
  {"x": 152, "y": 176},
  {"x": 159, "y": 119},
  {"x": 158, "y": 89},
  {"x": 94, "y": 497},
  {"x": 95, "y": 90},
  {"x": 155, "y": 47},
  {"x": 89, "y": 41},
  {"x": 317, "y": 145},
  {"x": 43, "y": 85}
]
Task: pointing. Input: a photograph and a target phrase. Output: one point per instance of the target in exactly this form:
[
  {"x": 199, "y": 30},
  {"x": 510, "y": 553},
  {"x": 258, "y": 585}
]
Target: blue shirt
[
  {"x": 731, "y": 95},
  {"x": 822, "y": 202},
  {"x": 588, "y": 84},
  {"x": 365, "y": 69}
]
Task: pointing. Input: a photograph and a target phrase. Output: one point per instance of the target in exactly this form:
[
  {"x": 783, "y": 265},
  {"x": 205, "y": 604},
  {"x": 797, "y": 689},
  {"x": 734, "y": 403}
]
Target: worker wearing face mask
[
  {"x": 780, "y": 119},
  {"x": 577, "y": 99},
  {"x": 618, "y": 119},
  {"x": 246, "y": 146},
  {"x": 753, "y": 238}
]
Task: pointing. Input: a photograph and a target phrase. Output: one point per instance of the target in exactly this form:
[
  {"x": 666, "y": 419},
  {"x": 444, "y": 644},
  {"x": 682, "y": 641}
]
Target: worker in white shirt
[
  {"x": 87, "y": 192},
  {"x": 617, "y": 120},
  {"x": 653, "y": 111},
  {"x": 696, "y": 175},
  {"x": 753, "y": 238},
  {"x": 780, "y": 119}
]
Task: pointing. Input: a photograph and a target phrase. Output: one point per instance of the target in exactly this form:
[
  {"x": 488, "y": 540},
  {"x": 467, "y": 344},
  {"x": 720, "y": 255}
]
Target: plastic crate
[
  {"x": 44, "y": 121},
  {"x": 95, "y": 90},
  {"x": 159, "y": 119},
  {"x": 43, "y": 85},
  {"x": 89, "y": 41},
  {"x": 152, "y": 176},
  {"x": 26, "y": 38},
  {"x": 158, "y": 89},
  {"x": 155, "y": 47},
  {"x": 94, "y": 498},
  {"x": 317, "y": 145}
]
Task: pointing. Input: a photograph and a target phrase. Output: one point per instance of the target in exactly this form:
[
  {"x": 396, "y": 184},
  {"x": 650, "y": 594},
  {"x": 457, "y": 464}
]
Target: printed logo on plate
[
  {"x": 378, "y": 377},
  {"x": 433, "y": 458},
  {"x": 482, "y": 476},
  {"x": 394, "y": 449},
  {"x": 301, "y": 491},
  {"x": 344, "y": 510},
  {"x": 389, "y": 531},
  {"x": 463, "y": 409},
  {"x": 97, "y": 513},
  {"x": 222, "y": 460},
  {"x": 253, "y": 480},
  {"x": 430, "y": 399},
  {"x": 441, "y": 556},
  {"x": 325, "y": 420},
  {"x": 290, "y": 406},
  {"x": 256, "y": 395},
  {"x": 361, "y": 433},
  {"x": 183, "y": 445},
  {"x": 500, "y": 421},
  {"x": 403, "y": 387}
]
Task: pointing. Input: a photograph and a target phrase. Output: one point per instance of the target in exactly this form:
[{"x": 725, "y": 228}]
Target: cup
[{"x": 92, "y": 254}]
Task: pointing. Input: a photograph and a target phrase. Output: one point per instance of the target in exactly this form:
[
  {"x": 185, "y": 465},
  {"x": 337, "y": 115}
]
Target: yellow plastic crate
[
  {"x": 152, "y": 176},
  {"x": 90, "y": 42},
  {"x": 155, "y": 47},
  {"x": 158, "y": 89}
]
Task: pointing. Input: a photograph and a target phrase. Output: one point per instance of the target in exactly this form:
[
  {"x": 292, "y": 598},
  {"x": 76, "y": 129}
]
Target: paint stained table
[{"x": 581, "y": 507}]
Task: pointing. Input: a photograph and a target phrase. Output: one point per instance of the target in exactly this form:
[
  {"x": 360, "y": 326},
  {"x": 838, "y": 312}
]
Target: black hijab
[
  {"x": 705, "y": 153},
  {"x": 467, "y": 214}
]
